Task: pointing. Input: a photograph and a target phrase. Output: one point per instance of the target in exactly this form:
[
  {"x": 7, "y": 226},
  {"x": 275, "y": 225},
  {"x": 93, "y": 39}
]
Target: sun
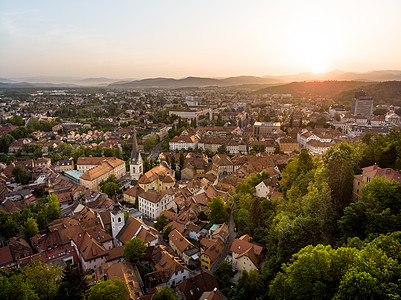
[
  {"x": 312, "y": 51},
  {"x": 313, "y": 44}
]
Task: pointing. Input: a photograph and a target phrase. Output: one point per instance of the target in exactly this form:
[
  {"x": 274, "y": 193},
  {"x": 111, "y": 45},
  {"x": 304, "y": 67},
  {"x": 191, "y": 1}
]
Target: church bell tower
[{"x": 136, "y": 162}]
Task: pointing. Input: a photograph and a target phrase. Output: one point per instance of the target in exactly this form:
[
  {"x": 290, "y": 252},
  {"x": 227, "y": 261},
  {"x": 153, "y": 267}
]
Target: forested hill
[
  {"x": 327, "y": 89},
  {"x": 388, "y": 92}
]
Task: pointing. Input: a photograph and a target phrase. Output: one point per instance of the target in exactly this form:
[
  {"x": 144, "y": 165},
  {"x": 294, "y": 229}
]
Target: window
[{"x": 119, "y": 219}]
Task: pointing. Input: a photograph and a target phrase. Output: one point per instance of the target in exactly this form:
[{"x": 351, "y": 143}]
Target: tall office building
[{"x": 362, "y": 104}]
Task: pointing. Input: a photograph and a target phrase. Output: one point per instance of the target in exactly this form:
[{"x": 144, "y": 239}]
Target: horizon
[
  {"x": 135, "y": 40},
  {"x": 60, "y": 77}
]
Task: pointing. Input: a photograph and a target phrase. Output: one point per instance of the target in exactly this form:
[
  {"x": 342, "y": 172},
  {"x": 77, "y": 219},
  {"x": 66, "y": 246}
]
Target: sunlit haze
[{"x": 139, "y": 39}]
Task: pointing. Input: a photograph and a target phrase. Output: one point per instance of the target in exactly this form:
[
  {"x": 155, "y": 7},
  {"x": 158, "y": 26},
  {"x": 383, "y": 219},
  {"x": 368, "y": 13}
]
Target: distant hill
[
  {"x": 36, "y": 85},
  {"x": 244, "y": 81},
  {"x": 96, "y": 81},
  {"x": 327, "y": 89},
  {"x": 192, "y": 82}
]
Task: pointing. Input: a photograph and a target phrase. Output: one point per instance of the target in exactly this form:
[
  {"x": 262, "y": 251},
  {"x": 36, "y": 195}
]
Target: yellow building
[
  {"x": 288, "y": 145},
  {"x": 131, "y": 195},
  {"x": 213, "y": 251},
  {"x": 109, "y": 166},
  {"x": 65, "y": 165},
  {"x": 159, "y": 178},
  {"x": 368, "y": 173}
]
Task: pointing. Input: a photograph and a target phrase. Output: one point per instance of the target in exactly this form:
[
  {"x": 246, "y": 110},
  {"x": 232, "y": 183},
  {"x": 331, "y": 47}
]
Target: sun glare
[{"x": 313, "y": 43}]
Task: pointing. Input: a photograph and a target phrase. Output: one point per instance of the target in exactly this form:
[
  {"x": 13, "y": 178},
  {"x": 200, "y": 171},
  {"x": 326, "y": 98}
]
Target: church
[{"x": 136, "y": 162}]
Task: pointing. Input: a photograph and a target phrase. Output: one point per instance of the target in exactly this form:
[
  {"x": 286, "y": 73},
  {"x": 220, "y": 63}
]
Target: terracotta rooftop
[
  {"x": 376, "y": 171},
  {"x": 179, "y": 240},
  {"x": 194, "y": 287}
]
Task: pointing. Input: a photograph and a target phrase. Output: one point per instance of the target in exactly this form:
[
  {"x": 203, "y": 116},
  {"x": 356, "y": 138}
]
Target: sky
[{"x": 214, "y": 38}]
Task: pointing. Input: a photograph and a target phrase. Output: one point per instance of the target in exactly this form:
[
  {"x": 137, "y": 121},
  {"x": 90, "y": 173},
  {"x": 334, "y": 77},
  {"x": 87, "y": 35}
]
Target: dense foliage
[{"x": 31, "y": 218}]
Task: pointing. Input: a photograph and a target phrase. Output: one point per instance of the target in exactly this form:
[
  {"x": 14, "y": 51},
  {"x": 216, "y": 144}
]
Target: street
[{"x": 231, "y": 237}]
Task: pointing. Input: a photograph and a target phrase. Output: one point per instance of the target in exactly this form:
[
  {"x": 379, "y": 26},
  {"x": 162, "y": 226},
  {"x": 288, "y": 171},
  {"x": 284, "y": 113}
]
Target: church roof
[{"x": 134, "y": 153}]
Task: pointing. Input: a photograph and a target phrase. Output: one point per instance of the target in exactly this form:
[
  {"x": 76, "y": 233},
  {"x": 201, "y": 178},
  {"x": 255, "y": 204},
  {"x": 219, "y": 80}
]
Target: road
[
  {"x": 231, "y": 237},
  {"x": 156, "y": 151}
]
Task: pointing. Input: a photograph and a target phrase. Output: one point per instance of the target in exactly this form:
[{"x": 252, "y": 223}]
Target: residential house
[
  {"x": 194, "y": 287},
  {"x": 368, "y": 173},
  {"x": 245, "y": 255},
  {"x": 180, "y": 245},
  {"x": 65, "y": 165},
  {"x": 90, "y": 252},
  {"x": 169, "y": 270},
  {"x": 131, "y": 195},
  {"x": 136, "y": 228},
  {"x": 212, "y": 250},
  {"x": 288, "y": 145},
  {"x": 151, "y": 203}
]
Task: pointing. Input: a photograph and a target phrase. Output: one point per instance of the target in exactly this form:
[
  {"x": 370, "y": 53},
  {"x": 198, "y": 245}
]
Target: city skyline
[{"x": 130, "y": 39}]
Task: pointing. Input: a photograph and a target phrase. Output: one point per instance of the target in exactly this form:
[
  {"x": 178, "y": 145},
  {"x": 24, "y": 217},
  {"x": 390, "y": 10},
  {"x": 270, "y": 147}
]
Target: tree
[
  {"x": 218, "y": 213},
  {"x": 53, "y": 207},
  {"x": 161, "y": 221},
  {"x": 202, "y": 216},
  {"x": 134, "y": 249},
  {"x": 224, "y": 274},
  {"x": 8, "y": 226},
  {"x": 115, "y": 289},
  {"x": 16, "y": 120},
  {"x": 5, "y": 142},
  {"x": 321, "y": 272},
  {"x": 312, "y": 272},
  {"x": 167, "y": 232},
  {"x": 150, "y": 143},
  {"x": 20, "y": 132},
  {"x": 20, "y": 174},
  {"x": 79, "y": 152},
  {"x": 166, "y": 293},
  {"x": 44, "y": 278},
  {"x": 255, "y": 216},
  {"x": 222, "y": 149},
  {"x": 340, "y": 161},
  {"x": 250, "y": 286},
  {"x": 111, "y": 186},
  {"x": 182, "y": 161},
  {"x": 14, "y": 286},
  {"x": 73, "y": 283},
  {"x": 30, "y": 228},
  {"x": 108, "y": 152},
  {"x": 377, "y": 212}
]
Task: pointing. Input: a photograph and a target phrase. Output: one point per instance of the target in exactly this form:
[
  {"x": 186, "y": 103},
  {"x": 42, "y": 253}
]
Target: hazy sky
[{"x": 149, "y": 38}]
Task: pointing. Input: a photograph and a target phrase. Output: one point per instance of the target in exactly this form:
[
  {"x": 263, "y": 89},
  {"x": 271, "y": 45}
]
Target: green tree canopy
[
  {"x": 44, "y": 278},
  {"x": 218, "y": 213},
  {"x": 30, "y": 228},
  {"x": 150, "y": 143},
  {"x": 166, "y": 293},
  {"x": 378, "y": 211},
  {"x": 115, "y": 289},
  {"x": 134, "y": 249},
  {"x": 161, "y": 221},
  {"x": 322, "y": 272},
  {"x": 73, "y": 284},
  {"x": 20, "y": 174}
]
